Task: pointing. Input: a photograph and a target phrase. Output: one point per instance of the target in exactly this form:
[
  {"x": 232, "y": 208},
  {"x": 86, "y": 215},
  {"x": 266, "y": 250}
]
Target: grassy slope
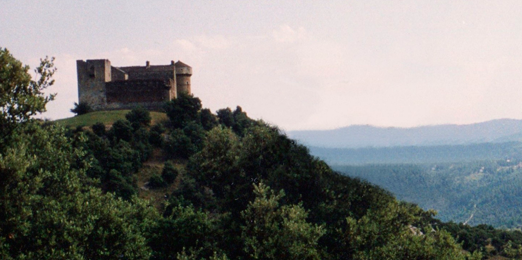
[{"x": 106, "y": 117}]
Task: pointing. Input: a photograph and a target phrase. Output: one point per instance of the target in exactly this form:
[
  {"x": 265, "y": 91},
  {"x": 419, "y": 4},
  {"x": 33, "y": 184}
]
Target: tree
[
  {"x": 241, "y": 121},
  {"x": 226, "y": 117},
  {"x": 183, "y": 109},
  {"x": 207, "y": 119},
  {"x": 271, "y": 231},
  {"x": 20, "y": 96}
]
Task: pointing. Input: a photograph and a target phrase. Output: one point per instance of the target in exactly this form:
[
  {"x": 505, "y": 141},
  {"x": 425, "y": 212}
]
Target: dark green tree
[
  {"x": 182, "y": 110},
  {"x": 226, "y": 117},
  {"x": 241, "y": 121},
  {"x": 207, "y": 119}
]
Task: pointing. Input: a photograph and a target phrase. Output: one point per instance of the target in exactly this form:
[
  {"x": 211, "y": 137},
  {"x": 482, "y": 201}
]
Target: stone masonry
[{"x": 105, "y": 87}]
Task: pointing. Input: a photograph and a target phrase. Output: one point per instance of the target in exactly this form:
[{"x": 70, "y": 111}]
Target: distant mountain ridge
[{"x": 361, "y": 136}]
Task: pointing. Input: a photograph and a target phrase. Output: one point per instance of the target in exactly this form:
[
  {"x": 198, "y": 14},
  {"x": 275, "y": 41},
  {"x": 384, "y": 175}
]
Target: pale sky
[{"x": 295, "y": 64}]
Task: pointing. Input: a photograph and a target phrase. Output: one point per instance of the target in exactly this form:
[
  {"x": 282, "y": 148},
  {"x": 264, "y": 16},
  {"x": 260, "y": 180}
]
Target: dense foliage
[{"x": 237, "y": 189}]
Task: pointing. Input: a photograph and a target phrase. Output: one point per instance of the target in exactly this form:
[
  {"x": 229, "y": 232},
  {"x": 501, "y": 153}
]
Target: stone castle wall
[
  {"x": 105, "y": 87},
  {"x": 150, "y": 93},
  {"x": 92, "y": 76}
]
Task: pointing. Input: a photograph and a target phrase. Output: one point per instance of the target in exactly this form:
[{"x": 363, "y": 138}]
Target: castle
[{"x": 105, "y": 87}]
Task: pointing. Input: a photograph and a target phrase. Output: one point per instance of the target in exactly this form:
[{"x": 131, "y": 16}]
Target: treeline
[{"x": 245, "y": 191}]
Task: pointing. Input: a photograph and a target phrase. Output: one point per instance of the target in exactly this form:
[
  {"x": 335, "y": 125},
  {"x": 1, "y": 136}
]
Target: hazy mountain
[
  {"x": 419, "y": 154},
  {"x": 358, "y": 136}
]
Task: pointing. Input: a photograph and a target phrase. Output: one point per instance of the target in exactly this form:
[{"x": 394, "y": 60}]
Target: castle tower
[
  {"x": 92, "y": 76},
  {"x": 183, "y": 73}
]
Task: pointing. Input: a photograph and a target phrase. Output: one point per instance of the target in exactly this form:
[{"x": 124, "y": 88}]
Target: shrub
[
  {"x": 155, "y": 137},
  {"x": 121, "y": 130},
  {"x": 81, "y": 108},
  {"x": 169, "y": 173},
  {"x": 139, "y": 116},
  {"x": 99, "y": 129},
  {"x": 156, "y": 181}
]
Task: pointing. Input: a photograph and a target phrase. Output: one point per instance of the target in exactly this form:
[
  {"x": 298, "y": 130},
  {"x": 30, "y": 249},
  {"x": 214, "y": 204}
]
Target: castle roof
[{"x": 181, "y": 64}]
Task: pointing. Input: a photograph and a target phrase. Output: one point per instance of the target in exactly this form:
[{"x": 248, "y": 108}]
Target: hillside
[
  {"x": 225, "y": 179},
  {"x": 363, "y": 136},
  {"x": 150, "y": 181},
  {"x": 483, "y": 192}
]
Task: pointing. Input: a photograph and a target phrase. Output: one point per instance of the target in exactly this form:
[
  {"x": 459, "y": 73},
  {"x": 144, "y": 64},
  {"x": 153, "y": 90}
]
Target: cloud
[
  {"x": 217, "y": 42},
  {"x": 287, "y": 34}
]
